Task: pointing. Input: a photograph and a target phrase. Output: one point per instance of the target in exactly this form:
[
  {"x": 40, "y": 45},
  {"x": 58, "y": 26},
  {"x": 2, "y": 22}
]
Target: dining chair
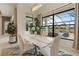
[
  {"x": 51, "y": 49},
  {"x": 24, "y": 47}
]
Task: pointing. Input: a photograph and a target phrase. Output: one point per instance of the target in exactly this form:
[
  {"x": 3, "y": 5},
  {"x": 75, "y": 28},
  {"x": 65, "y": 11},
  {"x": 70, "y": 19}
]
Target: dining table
[{"x": 38, "y": 41}]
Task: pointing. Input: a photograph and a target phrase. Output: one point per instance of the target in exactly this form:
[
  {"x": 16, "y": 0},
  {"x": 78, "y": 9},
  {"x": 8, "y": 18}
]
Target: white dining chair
[
  {"x": 51, "y": 49},
  {"x": 24, "y": 47}
]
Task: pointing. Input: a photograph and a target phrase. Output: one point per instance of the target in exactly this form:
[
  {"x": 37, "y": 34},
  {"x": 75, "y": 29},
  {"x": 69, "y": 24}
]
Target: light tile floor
[{"x": 66, "y": 46}]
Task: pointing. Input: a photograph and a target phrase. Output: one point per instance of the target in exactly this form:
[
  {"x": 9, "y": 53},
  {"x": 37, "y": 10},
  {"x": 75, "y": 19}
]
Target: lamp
[{"x": 36, "y": 7}]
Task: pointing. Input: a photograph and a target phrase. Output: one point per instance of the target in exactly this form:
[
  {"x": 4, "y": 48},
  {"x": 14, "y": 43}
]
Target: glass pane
[
  {"x": 49, "y": 20},
  {"x": 67, "y": 22},
  {"x": 72, "y": 22},
  {"x": 44, "y": 21},
  {"x": 66, "y": 16},
  {"x": 50, "y": 29},
  {"x": 29, "y": 21},
  {"x": 43, "y": 29},
  {"x": 58, "y": 23},
  {"x": 5, "y": 25},
  {"x": 57, "y": 19}
]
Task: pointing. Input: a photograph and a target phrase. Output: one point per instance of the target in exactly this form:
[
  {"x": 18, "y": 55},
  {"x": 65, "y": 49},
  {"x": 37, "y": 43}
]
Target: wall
[
  {"x": 0, "y": 23},
  {"x": 76, "y": 42},
  {"x": 7, "y": 8},
  {"x": 23, "y": 10}
]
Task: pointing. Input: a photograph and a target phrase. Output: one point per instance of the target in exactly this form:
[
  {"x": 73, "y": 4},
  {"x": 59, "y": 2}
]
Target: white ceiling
[
  {"x": 50, "y": 6},
  {"x": 7, "y": 9},
  {"x": 26, "y": 7}
]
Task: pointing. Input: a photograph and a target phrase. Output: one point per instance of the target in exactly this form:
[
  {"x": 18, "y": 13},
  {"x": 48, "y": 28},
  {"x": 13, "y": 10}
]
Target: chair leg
[
  {"x": 33, "y": 52},
  {"x": 29, "y": 52}
]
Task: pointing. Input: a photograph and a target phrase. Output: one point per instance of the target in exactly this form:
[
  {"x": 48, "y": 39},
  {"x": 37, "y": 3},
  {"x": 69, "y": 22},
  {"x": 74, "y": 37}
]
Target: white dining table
[{"x": 38, "y": 40}]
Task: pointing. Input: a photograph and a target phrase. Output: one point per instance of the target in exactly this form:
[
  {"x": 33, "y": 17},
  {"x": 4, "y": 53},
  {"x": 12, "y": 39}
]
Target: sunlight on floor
[{"x": 66, "y": 46}]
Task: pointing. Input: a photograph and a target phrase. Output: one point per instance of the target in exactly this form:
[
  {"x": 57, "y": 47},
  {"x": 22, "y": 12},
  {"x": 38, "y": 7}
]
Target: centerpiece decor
[
  {"x": 33, "y": 29},
  {"x": 36, "y": 27},
  {"x": 11, "y": 29}
]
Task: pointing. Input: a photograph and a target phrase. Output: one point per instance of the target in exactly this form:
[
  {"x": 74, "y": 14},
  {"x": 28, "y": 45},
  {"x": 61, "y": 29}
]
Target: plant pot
[{"x": 12, "y": 39}]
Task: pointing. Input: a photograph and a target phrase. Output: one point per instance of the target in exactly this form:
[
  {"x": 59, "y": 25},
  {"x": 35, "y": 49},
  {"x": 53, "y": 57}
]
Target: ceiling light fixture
[{"x": 36, "y": 7}]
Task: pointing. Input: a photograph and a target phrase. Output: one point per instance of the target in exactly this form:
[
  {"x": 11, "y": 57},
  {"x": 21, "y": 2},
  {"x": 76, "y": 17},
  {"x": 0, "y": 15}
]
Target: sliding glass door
[
  {"x": 61, "y": 23},
  {"x": 64, "y": 24}
]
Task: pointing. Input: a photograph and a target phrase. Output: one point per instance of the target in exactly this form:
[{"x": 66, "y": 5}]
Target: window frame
[{"x": 53, "y": 18}]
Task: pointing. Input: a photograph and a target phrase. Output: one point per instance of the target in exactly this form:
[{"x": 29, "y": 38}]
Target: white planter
[{"x": 12, "y": 39}]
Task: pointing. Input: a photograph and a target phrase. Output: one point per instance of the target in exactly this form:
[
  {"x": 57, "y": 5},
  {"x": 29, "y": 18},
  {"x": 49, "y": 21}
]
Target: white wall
[
  {"x": 7, "y": 8},
  {"x": 23, "y": 10},
  {"x": 0, "y": 24},
  {"x": 20, "y": 19}
]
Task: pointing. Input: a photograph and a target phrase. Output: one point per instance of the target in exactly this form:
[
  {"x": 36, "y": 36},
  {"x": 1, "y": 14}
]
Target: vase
[{"x": 12, "y": 39}]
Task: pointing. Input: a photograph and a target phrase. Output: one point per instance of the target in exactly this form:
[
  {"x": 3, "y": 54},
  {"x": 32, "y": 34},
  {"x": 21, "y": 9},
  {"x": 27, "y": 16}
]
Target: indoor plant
[
  {"x": 37, "y": 26},
  {"x": 11, "y": 29}
]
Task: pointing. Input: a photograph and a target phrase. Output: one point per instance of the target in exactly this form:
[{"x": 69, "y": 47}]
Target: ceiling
[
  {"x": 7, "y": 8},
  {"x": 50, "y": 6}
]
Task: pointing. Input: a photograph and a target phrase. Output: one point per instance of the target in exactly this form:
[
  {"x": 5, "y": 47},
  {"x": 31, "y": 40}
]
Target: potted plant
[
  {"x": 38, "y": 26},
  {"x": 11, "y": 29}
]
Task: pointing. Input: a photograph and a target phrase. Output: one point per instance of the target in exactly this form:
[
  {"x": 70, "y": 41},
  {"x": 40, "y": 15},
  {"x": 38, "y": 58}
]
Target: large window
[
  {"x": 29, "y": 21},
  {"x": 63, "y": 23},
  {"x": 5, "y": 21},
  {"x": 65, "y": 19},
  {"x": 47, "y": 23}
]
